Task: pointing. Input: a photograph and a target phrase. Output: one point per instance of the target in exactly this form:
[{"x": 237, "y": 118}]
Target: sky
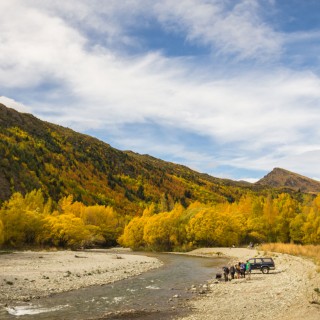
[{"x": 230, "y": 88}]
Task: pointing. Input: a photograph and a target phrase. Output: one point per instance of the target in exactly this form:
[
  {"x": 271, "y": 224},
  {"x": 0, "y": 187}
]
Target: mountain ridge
[
  {"x": 282, "y": 178},
  {"x": 35, "y": 154}
]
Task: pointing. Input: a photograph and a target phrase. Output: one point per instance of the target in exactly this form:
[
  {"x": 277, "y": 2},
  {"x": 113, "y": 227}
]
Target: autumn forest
[
  {"x": 31, "y": 221},
  {"x": 59, "y": 188}
]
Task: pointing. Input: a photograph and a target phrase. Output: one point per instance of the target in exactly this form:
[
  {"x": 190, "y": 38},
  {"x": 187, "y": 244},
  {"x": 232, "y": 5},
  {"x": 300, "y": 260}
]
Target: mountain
[
  {"x": 281, "y": 178},
  {"x": 37, "y": 154}
]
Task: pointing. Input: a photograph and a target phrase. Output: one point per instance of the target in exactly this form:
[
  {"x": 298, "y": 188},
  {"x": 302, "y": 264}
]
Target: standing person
[
  {"x": 237, "y": 266},
  {"x": 232, "y": 271},
  {"x": 225, "y": 273},
  {"x": 243, "y": 270},
  {"x": 248, "y": 269}
]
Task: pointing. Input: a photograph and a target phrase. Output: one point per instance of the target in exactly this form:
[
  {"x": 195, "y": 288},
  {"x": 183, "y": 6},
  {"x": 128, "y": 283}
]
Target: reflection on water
[{"x": 158, "y": 293}]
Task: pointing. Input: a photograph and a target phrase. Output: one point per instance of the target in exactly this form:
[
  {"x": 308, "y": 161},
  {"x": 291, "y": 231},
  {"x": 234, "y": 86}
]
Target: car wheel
[{"x": 265, "y": 270}]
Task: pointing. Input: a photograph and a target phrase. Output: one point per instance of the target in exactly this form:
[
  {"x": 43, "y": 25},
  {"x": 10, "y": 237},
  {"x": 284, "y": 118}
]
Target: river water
[{"x": 157, "y": 294}]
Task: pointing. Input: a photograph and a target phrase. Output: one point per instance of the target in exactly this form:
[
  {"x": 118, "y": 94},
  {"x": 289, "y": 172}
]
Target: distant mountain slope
[
  {"x": 37, "y": 154},
  {"x": 278, "y": 178}
]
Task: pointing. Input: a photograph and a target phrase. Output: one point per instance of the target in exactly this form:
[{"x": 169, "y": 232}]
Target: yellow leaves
[
  {"x": 214, "y": 226},
  {"x": 252, "y": 218},
  {"x": 18, "y": 132},
  {"x": 160, "y": 231},
  {"x": 317, "y": 203},
  {"x": 65, "y": 230},
  {"x": 148, "y": 212},
  {"x": 258, "y": 237},
  {"x": 51, "y": 169},
  {"x": 1, "y": 233},
  {"x": 133, "y": 233},
  {"x": 30, "y": 220}
]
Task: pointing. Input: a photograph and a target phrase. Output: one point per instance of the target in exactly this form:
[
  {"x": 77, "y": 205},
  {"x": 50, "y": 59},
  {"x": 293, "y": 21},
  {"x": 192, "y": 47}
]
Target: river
[{"x": 157, "y": 294}]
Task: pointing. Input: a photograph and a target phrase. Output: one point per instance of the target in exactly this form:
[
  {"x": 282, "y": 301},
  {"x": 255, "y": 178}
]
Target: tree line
[{"x": 31, "y": 220}]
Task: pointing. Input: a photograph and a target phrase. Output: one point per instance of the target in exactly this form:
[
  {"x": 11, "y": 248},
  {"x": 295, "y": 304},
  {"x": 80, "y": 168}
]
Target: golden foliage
[
  {"x": 251, "y": 219},
  {"x": 30, "y": 220}
]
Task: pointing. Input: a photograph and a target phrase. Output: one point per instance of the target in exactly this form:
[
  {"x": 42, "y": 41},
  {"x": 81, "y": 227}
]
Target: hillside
[
  {"x": 36, "y": 154},
  {"x": 281, "y": 178}
]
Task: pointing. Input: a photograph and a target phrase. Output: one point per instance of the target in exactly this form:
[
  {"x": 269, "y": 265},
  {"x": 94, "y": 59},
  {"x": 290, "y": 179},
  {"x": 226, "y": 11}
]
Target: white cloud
[
  {"x": 239, "y": 30},
  {"x": 251, "y": 180},
  {"x": 10, "y": 103},
  {"x": 95, "y": 84}
]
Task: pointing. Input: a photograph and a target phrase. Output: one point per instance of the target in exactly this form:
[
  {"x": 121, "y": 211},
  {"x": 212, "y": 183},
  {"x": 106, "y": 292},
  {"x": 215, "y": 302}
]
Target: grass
[{"x": 309, "y": 251}]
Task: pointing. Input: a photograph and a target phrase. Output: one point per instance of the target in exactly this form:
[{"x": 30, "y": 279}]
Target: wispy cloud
[
  {"x": 72, "y": 62},
  {"x": 228, "y": 27}
]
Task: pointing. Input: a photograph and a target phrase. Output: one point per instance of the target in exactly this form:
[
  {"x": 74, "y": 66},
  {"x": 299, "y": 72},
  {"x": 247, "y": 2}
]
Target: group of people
[{"x": 237, "y": 271}]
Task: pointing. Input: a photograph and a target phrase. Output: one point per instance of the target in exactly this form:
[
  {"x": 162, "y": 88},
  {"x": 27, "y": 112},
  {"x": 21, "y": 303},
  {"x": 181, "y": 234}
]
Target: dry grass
[{"x": 310, "y": 251}]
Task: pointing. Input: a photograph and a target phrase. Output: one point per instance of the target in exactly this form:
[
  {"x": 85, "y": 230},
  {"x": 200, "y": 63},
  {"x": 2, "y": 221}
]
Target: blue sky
[{"x": 230, "y": 88}]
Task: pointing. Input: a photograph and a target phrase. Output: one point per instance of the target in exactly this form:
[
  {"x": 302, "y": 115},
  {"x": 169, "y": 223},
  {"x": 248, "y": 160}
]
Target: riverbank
[
  {"x": 286, "y": 293},
  {"x": 29, "y": 275}
]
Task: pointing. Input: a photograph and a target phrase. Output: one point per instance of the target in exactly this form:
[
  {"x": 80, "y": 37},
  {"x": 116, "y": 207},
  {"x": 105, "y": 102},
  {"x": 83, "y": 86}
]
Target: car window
[
  {"x": 258, "y": 260},
  {"x": 267, "y": 260},
  {"x": 251, "y": 260}
]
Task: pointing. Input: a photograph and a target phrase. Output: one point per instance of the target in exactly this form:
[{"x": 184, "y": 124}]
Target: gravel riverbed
[
  {"x": 286, "y": 293},
  {"x": 29, "y": 275}
]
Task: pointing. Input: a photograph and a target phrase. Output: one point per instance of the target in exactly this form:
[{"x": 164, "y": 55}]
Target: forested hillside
[
  {"x": 39, "y": 155},
  {"x": 65, "y": 189}
]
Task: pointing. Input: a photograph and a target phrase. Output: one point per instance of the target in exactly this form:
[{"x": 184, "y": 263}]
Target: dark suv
[{"x": 262, "y": 264}]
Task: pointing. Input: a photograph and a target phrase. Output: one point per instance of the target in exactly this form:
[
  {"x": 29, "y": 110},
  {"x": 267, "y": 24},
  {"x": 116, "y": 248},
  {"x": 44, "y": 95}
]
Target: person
[
  {"x": 237, "y": 266},
  {"x": 242, "y": 269},
  {"x": 232, "y": 271},
  {"x": 248, "y": 268},
  {"x": 225, "y": 273}
]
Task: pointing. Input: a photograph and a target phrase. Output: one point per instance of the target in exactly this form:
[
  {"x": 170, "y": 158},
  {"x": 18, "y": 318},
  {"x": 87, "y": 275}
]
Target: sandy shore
[
  {"x": 30, "y": 275},
  {"x": 284, "y": 293}
]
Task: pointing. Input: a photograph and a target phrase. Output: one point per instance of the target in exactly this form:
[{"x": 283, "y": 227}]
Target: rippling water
[{"x": 157, "y": 294}]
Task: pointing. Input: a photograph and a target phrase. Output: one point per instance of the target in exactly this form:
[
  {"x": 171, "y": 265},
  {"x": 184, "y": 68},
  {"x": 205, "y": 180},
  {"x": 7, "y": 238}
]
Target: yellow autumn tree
[
  {"x": 104, "y": 222},
  {"x": 311, "y": 228},
  {"x": 201, "y": 227},
  {"x": 67, "y": 206},
  {"x": 162, "y": 231},
  {"x": 22, "y": 218},
  {"x": 1, "y": 233},
  {"x": 296, "y": 228},
  {"x": 132, "y": 236},
  {"x": 287, "y": 209},
  {"x": 65, "y": 230}
]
